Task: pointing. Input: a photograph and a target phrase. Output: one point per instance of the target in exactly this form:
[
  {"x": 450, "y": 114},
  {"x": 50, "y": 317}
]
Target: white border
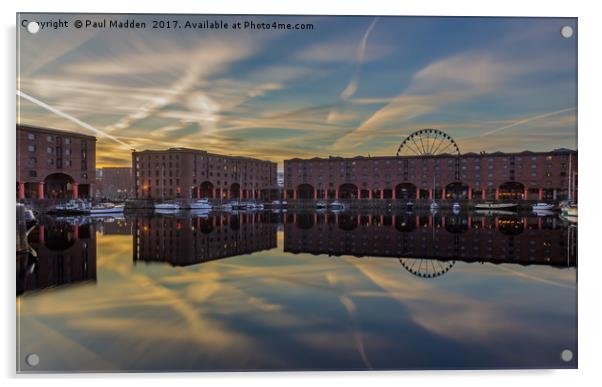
[{"x": 590, "y": 324}]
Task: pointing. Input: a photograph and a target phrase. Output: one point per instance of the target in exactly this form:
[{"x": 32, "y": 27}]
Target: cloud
[{"x": 445, "y": 82}]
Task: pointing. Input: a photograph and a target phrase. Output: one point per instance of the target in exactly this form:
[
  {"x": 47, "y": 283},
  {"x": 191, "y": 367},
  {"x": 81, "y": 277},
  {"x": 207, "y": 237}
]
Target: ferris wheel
[
  {"x": 428, "y": 142},
  {"x": 426, "y": 268}
]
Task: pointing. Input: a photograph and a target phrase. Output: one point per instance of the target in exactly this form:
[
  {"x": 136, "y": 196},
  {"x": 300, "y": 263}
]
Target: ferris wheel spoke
[
  {"x": 445, "y": 148},
  {"x": 439, "y": 145},
  {"x": 417, "y": 146},
  {"x": 413, "y": 149},
  {"x": 422, "y": 144}
]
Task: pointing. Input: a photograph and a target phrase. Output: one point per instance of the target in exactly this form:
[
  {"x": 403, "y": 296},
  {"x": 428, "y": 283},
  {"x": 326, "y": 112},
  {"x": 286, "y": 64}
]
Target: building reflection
[
  {"x": 183, "y": 241},
  {"x": 417, "y": 239},
  {"x": 60, "y": 253}
]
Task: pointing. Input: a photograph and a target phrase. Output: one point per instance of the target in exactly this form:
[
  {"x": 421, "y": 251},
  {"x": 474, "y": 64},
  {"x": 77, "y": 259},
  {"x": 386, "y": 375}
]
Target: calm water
[{"x": 302, "y": 291}]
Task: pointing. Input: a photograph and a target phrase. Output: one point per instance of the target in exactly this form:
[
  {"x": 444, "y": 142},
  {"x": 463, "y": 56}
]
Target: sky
[{"x": 350, "y": 86}]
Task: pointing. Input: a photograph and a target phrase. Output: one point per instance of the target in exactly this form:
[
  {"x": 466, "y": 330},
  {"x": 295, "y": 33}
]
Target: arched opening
[
  {"x": 206, "y": 225},
  {"x": 510, "y": 225},
  {"x": 348, "y": 191},
  {"x": 235, "y": 190},
  {"x": 59, "y": 236},
  {"x": 206, "y": 189},
  {"x": 347, "y": 222},
  {"x": 456, "y": 224},
  {"x": 305, "y": 191},
  {"x": 58, "y": 186},
  {"x": 305, "y": 221},
  {"x": 456, "y": 191},
  {"x": 31, "y": 190},
  {"x": 511, "y": 190},
  {"x": 234, "y": 222},
  {"x": 405, "y": 223},
  {"x": 405, "y": 191}
]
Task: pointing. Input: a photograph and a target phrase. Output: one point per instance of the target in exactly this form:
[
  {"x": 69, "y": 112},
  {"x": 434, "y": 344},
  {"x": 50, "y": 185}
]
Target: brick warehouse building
[
  {"x": 188, "y": 173},
  {"x": 471, "y": 176},
  {"x": 480, "y": 238},
  {"x": 114, "y": 183},
  {"x": 54, "y": 164}
]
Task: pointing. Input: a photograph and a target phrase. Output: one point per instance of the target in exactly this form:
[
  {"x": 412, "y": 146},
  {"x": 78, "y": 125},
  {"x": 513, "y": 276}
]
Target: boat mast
[{"x": 570, "y": 159}]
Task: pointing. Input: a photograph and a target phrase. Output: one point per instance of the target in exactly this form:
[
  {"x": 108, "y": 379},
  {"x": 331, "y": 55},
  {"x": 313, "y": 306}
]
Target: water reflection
[
  {"x": 418, "y": 238},
  {"x": 274, "y": 291},
  {"x": 183, "y": 241},
  {"x": 60, "y": 254}
]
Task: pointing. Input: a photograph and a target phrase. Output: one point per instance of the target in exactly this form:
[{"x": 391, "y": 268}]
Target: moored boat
[
  {"x": 495, "y": 206},
  {"x": 106, "y": 208},
  {"x": 167, "y": 206},
  {"x": 200, "y": 204},
  {"x": 456, "y": 208},
  {"x": 336, "y": 205},
  {"x": 543, "y": 207},
  {"x": 321, "y": 205}
]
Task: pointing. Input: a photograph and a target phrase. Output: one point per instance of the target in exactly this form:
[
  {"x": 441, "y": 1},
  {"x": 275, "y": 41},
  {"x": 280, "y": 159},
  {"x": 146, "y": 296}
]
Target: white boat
[
  {"x": 279, "y": 203},
  {"x": 226, "y": 207},
  {"x": 200, "y": 204},
  {"x": 434, "y": 206},
  {"x": 543, "y": 212},
  {"x": 543, "y": 207},
  {"x": 73, "y": 205},
  {"x": 409, "y": 206},
  {"x": 495, "y": 206},
  {"x": 321, "y": 205},
  {"x": 336, "y": 205},
  {"x": 494, "y": 212},
  {"x": 29, "y": 215},
  {"x": 456, "y": 208},
  {"x": 166, "y": 206},
  {"x": 107, "y": 208}
]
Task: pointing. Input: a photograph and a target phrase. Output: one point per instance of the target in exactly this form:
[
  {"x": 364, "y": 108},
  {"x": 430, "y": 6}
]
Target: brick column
[
  {"x": 484, "y": 193},
  {"x": 382, "y": 193},
  {"x": 40, "y": 190},
  {"x": 541, "y": 194},
  {"x": 325, "y": 194},
  {"x": 336, "y": 196},
  {"x": 75, "y": 192},
  {"x": 497, "y": 194},
  {"x": 21, "y": 191},
  {"x": 526, "y": 194},
  {"x": 394, "y": 194},
  {"x": 370, "y": 194},
  {"x": 443, "y": 194},
  {"x": 430, "y": 194},
  {"x": 315, "y": 194},
  {"x": 417, "y": 193},
  {"x": 75, "y": 232},
  {"x": 470, "y": 194}
]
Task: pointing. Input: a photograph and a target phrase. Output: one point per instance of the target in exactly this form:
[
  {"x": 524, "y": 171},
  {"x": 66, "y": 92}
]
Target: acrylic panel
[{"x": 270, "y": 192}]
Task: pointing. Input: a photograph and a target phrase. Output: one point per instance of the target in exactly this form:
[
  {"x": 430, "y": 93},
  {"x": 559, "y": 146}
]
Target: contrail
[
  {"x": 70, "y": 118},
  {"x": 360, "y": 56},
  {"x": 526, "y": 120}
]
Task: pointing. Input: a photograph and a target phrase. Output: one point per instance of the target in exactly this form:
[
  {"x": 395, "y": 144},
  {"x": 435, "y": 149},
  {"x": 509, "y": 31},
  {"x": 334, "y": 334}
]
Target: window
[
  {"x": 67, "y": 141},
  {"x": 67, "y": 152},
  {"x": 49, "y": 149},
  {"x": 31, "y": 136},
  {"x": 49, "y": 138},
  {"x": 31, "y": 148}
]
